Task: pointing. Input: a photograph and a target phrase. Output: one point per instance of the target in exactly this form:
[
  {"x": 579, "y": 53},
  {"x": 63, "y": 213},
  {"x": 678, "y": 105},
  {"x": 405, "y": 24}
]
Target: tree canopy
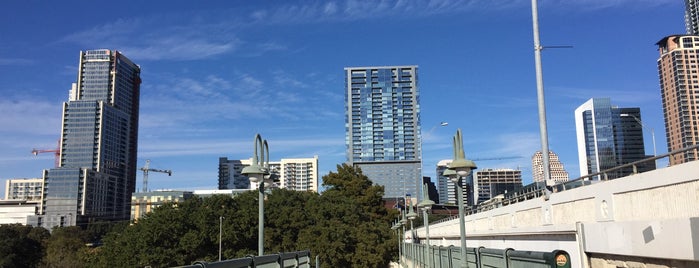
[{"x": 346, "y": 226}]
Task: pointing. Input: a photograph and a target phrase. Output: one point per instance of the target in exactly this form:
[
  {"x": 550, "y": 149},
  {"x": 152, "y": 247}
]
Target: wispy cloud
[
  {"x": 186, "y": 37},
  {"x": 15, "y": 61}
]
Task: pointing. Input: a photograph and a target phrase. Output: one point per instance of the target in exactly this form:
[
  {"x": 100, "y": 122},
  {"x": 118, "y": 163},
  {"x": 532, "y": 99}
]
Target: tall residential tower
[
  {"x": 382, "y": 126},
  {"x": 678, "y": 70},
  {"x": 99, "y": 137}
]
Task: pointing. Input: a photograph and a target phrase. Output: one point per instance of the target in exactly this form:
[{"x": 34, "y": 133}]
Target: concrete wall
[{"x": 650, "y": 215}]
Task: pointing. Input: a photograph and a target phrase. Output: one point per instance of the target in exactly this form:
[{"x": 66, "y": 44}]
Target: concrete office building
[
  {"x": 678, "y": 71},
  {"x": 99, "y": 137},
  {"x": 382, "y": 124},
  {"x": 557, "y": 170},
  {"x": 489, "y": 183},
  {"x": 609, "y": 136},
  {"x": 300, "y": 174}
]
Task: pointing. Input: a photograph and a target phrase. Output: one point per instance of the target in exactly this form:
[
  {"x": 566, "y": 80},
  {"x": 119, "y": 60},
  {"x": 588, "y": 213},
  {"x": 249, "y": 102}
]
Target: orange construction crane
[{"x": 56, "y": 152}]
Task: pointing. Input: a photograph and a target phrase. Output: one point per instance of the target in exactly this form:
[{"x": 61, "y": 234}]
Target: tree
[
  {"x": 64, "y": 246},
  {"x": 21, "y": 245},
  {"x": 352, "y": 226}
]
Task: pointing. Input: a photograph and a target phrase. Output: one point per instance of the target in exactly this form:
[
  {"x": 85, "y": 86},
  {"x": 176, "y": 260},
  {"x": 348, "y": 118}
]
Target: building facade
[
  {"x": 99, "y": 137},
  {"x": 489, "y": 183},
  {"x": 679, "y": 88},
  {"x": 145, "y": 202},
  {"x": 447, "y": 192},
  {"x": 557, "y": 170},
  {"x": 607, "y": 137},
  {"x": 26, "y": 189},
  {"x": 691, "y": 16},
  {"x": 447, "y": 188},
  {"x": 299, "y": 174},
  {"x": 382, "y": 124}
]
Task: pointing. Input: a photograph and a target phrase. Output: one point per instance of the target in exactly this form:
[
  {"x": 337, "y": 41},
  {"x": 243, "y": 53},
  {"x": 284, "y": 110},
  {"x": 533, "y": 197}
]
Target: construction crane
[
  {"x": 56, "y": 153},
  {"x": 497, "y": 158},
  {"x": 147, "y": 169}
]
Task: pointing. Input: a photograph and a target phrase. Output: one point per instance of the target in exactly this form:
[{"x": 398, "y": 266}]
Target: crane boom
[
  {"x": 147, "y": 169},
  {"x": 56, "y": 153}
]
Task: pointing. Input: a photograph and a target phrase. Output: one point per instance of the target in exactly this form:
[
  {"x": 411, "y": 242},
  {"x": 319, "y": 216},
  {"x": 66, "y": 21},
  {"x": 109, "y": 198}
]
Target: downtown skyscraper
[
  {"x": 99, "y": 137},
  {"x": 609, "y": 136},
  {"x": 382, "y": 124},
  {"x": 691, "y": 16},
  {"x": 678, "y": 71}
]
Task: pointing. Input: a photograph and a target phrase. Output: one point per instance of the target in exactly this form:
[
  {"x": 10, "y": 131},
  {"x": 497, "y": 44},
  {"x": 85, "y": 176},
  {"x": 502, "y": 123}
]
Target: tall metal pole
[
  {"x": 220, "y": 231},
  {"x": 427, "y": 235},
  {"x": 462, "y": 222},
  {"x": 540, "y": 95},
  {"x": 261, "y": 220}
]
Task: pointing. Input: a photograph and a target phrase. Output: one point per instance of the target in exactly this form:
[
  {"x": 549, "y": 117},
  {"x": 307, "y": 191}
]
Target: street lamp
[
  {"x": 652, "y": 132},
  {"x": 411, "y": 216},
  {"x": 396, "y": 226},
  {"x": 425, "y": 205},
  {"x": 220, "y": 231},
  {"x": 256, "y": 173},
  {"x": 459, "y": 168}
]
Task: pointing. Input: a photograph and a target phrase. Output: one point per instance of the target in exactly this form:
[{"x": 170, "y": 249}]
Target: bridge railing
[
  {"x": 536, "y": 190},
  {"x": 448, "y": 257},
  {"x": 299, "y": 259}
]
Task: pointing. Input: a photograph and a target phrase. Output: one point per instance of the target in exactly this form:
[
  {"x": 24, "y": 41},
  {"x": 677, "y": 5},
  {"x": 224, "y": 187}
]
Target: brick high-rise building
[{"x": 678, "y": 70}]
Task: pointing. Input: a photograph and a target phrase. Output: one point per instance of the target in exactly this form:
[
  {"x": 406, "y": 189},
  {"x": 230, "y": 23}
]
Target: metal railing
[
  {"x": 447, "y": 257},
  {"x": 535, "y": 190},
  {"x": 299, "y": 259}
]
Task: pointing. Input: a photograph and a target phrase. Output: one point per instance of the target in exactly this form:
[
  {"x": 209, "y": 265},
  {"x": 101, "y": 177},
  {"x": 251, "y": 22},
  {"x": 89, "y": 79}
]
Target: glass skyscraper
[
  {"x": 382, "y": 126},
  {"x": 97, "y": 169},
  {"x": 608, "y": 137}
]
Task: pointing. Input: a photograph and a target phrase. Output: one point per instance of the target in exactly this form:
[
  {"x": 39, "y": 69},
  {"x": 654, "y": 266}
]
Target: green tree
[
  {"x": 64, "y": 246},
  {"x": 352, "y": 225},
  {"x": 21, "y": 245}
]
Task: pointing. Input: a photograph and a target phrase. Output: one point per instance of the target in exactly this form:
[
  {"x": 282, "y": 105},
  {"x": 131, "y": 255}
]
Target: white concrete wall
[{"x": 651, "y": 214}]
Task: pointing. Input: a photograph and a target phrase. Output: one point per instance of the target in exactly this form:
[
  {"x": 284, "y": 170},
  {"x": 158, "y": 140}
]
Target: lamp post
[
  {"x": 220, "y": 231},
  {"x": 459, "y": 168},
  {"x": 396, "y": 226},
  {"x": 411, "y": 216},
  {"x": 425, "y": 205},
  {"x": 256, "y": 173},
  {"x": 652, "y": 132},
  {"x": 403, "y": 223}
]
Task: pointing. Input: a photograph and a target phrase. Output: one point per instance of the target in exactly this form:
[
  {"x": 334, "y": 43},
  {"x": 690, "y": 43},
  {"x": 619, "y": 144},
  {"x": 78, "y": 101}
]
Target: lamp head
[
  {"x": 254, "y": 172},
  {"x": 425, "y": 204},
  {"x": 451, "y": 174},
  {"x": 462, "y": 166}
]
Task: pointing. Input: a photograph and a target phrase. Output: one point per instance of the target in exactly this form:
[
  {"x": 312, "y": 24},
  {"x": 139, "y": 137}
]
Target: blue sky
[{"x": 217, "y": 72}]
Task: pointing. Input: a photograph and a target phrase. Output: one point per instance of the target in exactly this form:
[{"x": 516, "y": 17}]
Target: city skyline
[{"x": 215, "y": 75}]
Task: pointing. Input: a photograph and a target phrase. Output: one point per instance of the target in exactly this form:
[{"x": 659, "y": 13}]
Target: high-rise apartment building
[
  {"x": 691, "y": 16},
  {"x": 382, "y": 126},
  {"x": 27, "y": 189},
  {"x": 608, "y": 137},
  {"x": 557, "y": 171},
  {"x": 489, "y": 183},
  {"x": 99, "y": 137},
  {"x": 299, "y": 174},
  {"x": 678, "y": 71}
]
